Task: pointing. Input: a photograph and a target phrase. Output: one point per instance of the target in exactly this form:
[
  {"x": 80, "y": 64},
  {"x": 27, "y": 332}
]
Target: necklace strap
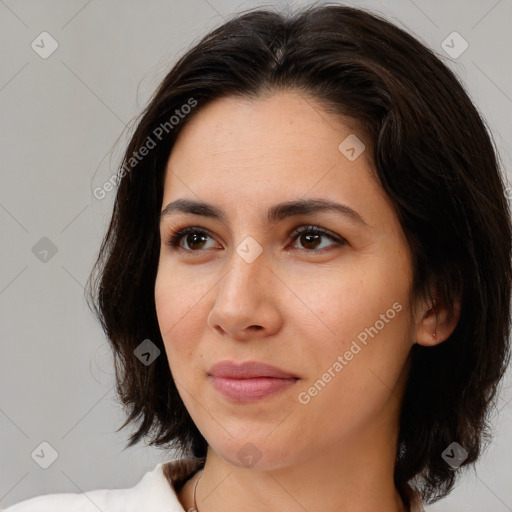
[{"x": 195, "y": 488}]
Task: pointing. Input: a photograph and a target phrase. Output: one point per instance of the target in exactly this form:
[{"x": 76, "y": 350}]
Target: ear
[{"x": 435, "y": 323}]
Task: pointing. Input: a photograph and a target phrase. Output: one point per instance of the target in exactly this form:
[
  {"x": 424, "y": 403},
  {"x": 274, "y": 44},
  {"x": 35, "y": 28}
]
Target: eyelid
[
  {"x": 312, "y": 228},
  {"x": 176, "y": 235}
]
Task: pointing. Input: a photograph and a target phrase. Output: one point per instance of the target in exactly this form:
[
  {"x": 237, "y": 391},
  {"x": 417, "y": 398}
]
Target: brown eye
[
  {"x": 194, "y": 238},
  {"x": 310, "y": 241},
  {"x": 311, "y": 238}
]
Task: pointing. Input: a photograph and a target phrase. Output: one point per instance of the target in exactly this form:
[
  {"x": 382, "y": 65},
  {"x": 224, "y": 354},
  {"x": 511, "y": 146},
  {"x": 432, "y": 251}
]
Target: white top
[{"x": 155, "y": 492}]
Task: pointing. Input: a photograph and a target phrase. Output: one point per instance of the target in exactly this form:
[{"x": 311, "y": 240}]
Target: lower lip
[{"x": 249, "y": 390}]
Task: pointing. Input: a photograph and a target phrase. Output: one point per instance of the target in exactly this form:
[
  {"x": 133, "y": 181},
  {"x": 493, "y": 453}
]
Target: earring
[{"x": 435, "y": 328}]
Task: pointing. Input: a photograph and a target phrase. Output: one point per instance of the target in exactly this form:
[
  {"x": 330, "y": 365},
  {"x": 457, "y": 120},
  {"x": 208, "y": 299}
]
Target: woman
[{"x": 311, "y": 229}]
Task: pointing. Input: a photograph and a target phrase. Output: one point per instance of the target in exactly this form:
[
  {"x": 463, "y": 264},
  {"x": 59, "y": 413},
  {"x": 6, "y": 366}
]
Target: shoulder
[
  {"x": 155, "y": 492},
  {"x": 54, "y": 502}
]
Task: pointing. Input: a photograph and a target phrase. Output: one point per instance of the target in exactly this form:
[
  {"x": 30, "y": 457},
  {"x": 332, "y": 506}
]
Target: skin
[{"x": 310, "y": 297}]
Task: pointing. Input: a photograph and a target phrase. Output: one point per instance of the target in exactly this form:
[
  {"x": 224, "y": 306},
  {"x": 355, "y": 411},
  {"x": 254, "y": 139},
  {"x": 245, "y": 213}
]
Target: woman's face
[{"x": 330, "y": 309}]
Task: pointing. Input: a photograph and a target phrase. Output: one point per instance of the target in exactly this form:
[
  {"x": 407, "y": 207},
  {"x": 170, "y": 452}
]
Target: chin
[{"x": 257, "y": 454}]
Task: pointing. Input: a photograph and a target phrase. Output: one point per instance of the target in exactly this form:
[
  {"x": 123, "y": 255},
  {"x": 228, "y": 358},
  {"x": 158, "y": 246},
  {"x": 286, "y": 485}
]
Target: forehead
[
  {"x": 279, "y": 147},
  {"x": 240, "y": 125},
  {"x": 281, "y": 129}
]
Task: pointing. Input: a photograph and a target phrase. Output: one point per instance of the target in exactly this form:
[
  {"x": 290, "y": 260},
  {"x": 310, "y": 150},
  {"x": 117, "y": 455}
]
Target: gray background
[{"x": 61, "y": 118}]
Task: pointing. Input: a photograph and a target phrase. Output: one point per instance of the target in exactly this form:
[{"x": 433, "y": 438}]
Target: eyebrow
[{"x": 275, "y": 213}]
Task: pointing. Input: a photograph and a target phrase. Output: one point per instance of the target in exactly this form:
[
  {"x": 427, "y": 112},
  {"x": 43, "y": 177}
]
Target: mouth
[{"x": 249, "y": 381}]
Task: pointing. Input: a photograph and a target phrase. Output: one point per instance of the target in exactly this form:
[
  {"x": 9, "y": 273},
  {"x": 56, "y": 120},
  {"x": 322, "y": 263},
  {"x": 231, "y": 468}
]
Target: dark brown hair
[{"x": 434, "y": 158}]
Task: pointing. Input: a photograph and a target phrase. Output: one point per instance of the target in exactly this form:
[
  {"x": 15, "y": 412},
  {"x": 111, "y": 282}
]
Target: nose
[{"x": 246, "y": 302}]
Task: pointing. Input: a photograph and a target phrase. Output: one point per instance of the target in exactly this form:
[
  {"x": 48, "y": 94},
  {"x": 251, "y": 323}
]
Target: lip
[
  {"x": 249, "y": 381},
  {"x": 248, "y": 370}
]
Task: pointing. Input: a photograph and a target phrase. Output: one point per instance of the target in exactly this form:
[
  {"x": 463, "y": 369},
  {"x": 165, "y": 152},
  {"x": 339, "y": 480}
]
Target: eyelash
[{"x": 176, "y": 236}]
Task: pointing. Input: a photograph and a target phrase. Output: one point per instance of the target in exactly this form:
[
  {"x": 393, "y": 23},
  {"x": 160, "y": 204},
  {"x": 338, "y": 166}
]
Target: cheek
[
  {"x": 353, "y": 367},
  {"x": 365, "y": 319},
  {"x": 341, "y": 304},
  {"x": 177, "y": 304}
]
